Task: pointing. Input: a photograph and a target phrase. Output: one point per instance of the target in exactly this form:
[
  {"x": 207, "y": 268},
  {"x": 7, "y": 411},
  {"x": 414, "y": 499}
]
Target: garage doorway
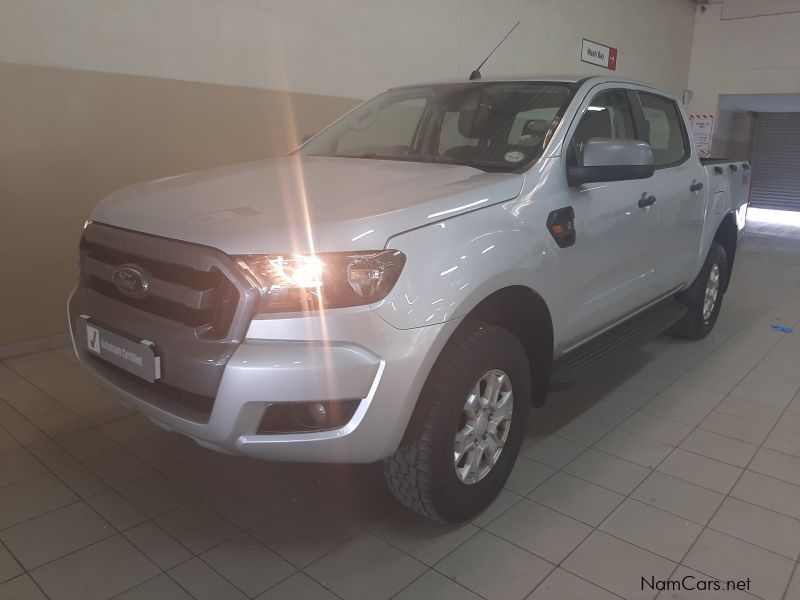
[{"x": 776, "y": 158}]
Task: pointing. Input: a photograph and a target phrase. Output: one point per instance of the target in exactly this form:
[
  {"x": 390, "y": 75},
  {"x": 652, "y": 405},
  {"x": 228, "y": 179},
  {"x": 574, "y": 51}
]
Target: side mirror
[{"x": 608, "y": 159}]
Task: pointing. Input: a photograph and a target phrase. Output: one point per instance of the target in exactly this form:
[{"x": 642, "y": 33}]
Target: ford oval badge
[{"x": 131, "y": 281}]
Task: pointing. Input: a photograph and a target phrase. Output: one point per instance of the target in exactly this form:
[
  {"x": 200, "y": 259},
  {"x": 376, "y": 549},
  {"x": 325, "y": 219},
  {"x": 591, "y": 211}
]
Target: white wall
[
  {"x": 349, "y": 48},
  {"x": 734, "y": 52}
]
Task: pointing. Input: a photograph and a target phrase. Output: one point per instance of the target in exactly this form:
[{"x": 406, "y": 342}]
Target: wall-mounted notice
[
  {"x": 702, "y": 133},
  {"x": 598, "y": 54}
]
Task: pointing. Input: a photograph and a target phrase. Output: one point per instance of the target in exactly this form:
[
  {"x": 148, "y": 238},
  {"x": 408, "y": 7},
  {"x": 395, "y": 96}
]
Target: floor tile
[
  {"x": 303, "y": 534},
  {"x": 577, "y": 498},
  {"x": 608, "y": 471},
  {"x": 427, "y": 541},
  {"x": 774, "y": 390},
  {"x": 38, "y": 363},
  {"x": 515, "y": 572},
  {"x": 197, "y": 526},
  {"x": 652, "y": 529},
  {"x": 59, "y": 423},
  {"x": 719, "y": 447},
  {"x": 20, "y": 588},
  {"x": 781, "y": 440},
  {"x": 735, "y": 427},
  {"x": 561, "y": 584},
  {"x": 769, "y": 493},
  {"x": 51, "y": 454},
  {"x": 165, "y": 449},
  {"x": 383, "y": 570},
  {"x": 678, "y": 497},
  {"x": 553, "y": 451},
  {"x": 634, "y": 448},
  {"x": 7, "y": 441},
  {"x": 708, "y": 381},
  {"x": 676, "y": 409},
  {"x": 725, "y": 557},
  {"x": 27, "y": 398},
  {"x": 158, "y": 588},
  {"x": 9, "y": 567},
  {"x": 203, "y": 583},
  {"x": 758, "y": 526},
  {"x": 247, "y": 564},
  {"x": 776, "y": 464},
  {"x": 656, "y": 428},
  {"x": 301, "y": 587},
  {"x": 700, "y": 470},
  {"x": 499, "y": 505},
  {"x": 628, "y": 396},
  {"x": 793, "y": 591},
  {"x": 68, "y": 386},
  {"x": 526, "y": 475},
  {"x": 154, "y": 494},
  {"x": 155, "y": 543},
  {"x": 540, "y": 530},
  {"x": 133, "y": 428},
  {"x": 118, "y": 466},
  {"x": 56, "y": 533},
  {"x": 608, "y": 413},
  {"x": 18, "y": 465},
  {"x": 87, "y": 443},
  {"x": 790, "y": 421},
  {"x": 583, "y": 431},
  {"x": 208, "y": 471},
  {"x": 116, "y": 510},
  {"x": 97, "y": 572},
  {"x": 31, "y": 498},
  {"x": 747, "y": 409},
  {"x": 81, "y": 480},
  {"x": 616, "y": 565},
  {"x": 434, "y": 585}
]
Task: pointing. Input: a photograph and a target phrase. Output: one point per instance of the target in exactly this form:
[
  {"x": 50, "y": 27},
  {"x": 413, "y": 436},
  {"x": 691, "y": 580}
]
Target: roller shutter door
[{"x": 776, "y": 162}]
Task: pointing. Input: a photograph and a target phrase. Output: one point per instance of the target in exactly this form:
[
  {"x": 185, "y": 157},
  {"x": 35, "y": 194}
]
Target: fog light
[
  {"x": 318, "y": 413},
  {"x": 298, "y": 417}
]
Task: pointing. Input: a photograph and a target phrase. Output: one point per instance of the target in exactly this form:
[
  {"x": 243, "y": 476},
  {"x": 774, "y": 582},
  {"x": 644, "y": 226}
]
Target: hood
[{"x": 303, "y": 203}]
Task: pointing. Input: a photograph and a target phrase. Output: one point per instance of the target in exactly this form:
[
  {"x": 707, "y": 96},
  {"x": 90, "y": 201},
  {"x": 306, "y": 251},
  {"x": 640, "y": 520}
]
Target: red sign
[{"x": 599, "y": 54}]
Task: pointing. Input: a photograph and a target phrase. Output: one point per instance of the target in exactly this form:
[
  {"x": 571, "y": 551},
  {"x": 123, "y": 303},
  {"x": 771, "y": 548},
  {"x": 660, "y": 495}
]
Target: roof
[{"x": 594, "y": 79}]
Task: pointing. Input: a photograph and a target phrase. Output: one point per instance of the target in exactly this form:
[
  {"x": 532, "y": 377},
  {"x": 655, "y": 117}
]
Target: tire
[
  {"x": 696, "y": 324},
  {"x": 422, "y": 472}
]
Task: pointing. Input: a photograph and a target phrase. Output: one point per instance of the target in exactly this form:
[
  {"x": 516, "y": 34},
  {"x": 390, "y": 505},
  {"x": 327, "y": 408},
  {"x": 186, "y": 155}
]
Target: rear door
[{"x": 679, "y": 187}]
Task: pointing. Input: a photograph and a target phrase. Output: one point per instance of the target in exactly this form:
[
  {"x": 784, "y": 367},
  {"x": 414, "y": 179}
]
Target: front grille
[{"x": 205, "y": 300}]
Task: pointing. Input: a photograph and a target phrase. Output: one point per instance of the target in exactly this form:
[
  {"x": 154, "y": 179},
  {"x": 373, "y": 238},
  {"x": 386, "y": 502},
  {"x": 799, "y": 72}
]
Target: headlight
[{"x": 302, "y": 282}]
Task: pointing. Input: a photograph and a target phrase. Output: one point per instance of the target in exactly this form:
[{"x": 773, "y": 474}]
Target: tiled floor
[{"x": 684, "y": 462}]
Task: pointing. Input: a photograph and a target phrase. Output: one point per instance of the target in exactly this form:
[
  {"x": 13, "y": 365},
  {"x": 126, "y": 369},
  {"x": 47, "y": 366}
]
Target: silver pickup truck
[{"x": 410, "y": 281}]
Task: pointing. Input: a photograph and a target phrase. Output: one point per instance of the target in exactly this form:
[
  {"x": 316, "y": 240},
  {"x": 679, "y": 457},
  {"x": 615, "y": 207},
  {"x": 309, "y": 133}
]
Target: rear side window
[{"x": 665, "y": 130}]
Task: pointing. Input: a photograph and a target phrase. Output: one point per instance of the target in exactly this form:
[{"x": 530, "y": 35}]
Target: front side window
[
  {"x": 665, "y": 130},
  {"x": 493, "y": 126},
  {"x": 608, "y": 116}
]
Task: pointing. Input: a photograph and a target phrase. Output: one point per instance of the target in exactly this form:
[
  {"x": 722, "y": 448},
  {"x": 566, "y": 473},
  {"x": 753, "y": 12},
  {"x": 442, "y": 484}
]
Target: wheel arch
[{"x": 525, "y": 314}]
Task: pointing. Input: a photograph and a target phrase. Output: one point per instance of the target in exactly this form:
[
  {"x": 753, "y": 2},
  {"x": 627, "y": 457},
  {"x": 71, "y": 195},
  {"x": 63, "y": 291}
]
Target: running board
[{"x": 614, "y": 343}]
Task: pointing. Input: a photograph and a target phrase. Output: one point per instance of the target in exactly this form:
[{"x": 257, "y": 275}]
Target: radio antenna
[{"x": 476, "y": 74}]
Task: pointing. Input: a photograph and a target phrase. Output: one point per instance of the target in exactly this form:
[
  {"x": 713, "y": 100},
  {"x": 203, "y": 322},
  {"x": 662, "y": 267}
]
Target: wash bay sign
[{"x": 598, "y": 54}]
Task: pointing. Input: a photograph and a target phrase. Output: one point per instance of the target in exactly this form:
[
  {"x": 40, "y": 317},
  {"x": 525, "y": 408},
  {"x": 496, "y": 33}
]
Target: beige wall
[
  {"x": 739, "y": 48},
  {"x": 95, "y": 94},
  {"x": 71, "y": 137}
]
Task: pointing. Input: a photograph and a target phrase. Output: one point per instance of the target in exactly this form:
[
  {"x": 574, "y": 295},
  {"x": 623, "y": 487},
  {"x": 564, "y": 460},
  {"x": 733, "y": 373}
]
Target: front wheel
[
  {"x": 703, "y": 298},
  {"x": 467, "y": 428}
]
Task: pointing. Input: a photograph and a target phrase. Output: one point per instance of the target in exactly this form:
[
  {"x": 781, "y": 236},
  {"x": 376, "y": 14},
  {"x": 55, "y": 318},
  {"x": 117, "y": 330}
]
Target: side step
[{"x": 622, "y": 339}]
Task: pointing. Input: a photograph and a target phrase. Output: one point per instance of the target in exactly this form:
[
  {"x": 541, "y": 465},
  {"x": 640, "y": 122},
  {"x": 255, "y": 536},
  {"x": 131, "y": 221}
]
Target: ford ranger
[{"x": 406, "y": 284}]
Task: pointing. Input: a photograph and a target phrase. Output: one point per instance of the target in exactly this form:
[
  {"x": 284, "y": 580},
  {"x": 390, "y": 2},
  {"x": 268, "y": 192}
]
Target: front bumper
[{"x": 343, "y": 354}]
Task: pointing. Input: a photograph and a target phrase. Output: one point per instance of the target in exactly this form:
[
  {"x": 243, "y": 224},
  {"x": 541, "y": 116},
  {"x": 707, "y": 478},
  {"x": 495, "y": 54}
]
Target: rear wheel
[
  {"x": 704, "y": 297},
  {"x": 467, "y": 428}
]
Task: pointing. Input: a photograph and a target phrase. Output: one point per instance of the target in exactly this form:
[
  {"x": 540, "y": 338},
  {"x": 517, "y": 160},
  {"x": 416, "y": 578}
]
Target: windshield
[{"x": 494, "y": 126}]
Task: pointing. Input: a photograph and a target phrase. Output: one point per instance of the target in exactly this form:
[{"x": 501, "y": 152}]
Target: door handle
[
  {"x": 696, "y": 186},
  {"x": 646, "y": 200}
]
